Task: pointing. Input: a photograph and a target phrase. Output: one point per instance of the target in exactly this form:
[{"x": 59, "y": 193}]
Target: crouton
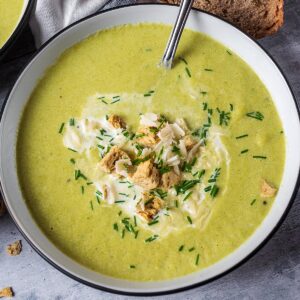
[
  {"x": 152, "y": 205},
  {"x": 107, "y": 163},
  {"x": 170, "y": 179},
  {"x": 189, "y": 142},
  {"x": 116, "y": 121},
  {"x": 146, "y": 175},
  {"x": 14, "y": 248},
  {"x": 267, "y": 190},
  {"x": 6, "y": 292},
  {"x": 147, "y": 136}
]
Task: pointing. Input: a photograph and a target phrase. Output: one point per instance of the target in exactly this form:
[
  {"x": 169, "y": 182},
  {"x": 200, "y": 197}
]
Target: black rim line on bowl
[
  {"x": 18, "y": 30},
  {"x": 188, "y": 287}
]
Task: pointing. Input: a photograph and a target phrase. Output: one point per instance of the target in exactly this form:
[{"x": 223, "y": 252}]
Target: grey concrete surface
[{"x": 273, "y": 273}]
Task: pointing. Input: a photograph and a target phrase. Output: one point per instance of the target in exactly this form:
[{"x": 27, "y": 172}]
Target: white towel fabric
[{"x": 53, "y": 15}]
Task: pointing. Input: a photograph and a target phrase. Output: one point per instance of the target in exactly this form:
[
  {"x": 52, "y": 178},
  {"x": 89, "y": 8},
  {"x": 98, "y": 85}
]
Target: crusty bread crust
[{"x": 258, "y": 18}]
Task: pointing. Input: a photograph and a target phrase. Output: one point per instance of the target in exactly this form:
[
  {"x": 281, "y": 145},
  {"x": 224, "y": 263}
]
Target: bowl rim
[
  {"x": 187, "y": 287},
  {"x": 18, "y": 29}
]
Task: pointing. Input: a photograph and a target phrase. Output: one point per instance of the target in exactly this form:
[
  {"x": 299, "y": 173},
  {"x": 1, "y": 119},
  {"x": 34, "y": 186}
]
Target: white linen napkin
[{"x": 51, "y": 16}]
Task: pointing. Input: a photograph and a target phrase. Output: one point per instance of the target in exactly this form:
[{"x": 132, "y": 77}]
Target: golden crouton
[
  {"x": 152, "y": 205},
  {"x": 107, "y": 163},
  {"x": 146, "y": 175},
  {"x": 2, "y": 208},
  {"x": 169, "y": 179},
  {"x": 116, "y": 121},
  {"x": 6, "y": 292},
  {"x": 189, "y": 142},
  {"x": 267, "y": 190},
  {"x": 14, "y": 248},
  {"x": 147, "y": 136}
]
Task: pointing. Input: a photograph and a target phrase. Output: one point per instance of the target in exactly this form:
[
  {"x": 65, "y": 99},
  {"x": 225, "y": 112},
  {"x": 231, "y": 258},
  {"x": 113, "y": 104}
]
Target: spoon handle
[{"x": 174, "y": 38}]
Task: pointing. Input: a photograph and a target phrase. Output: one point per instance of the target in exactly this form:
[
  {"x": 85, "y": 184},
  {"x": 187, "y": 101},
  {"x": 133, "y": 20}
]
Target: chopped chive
[
  {"x": 255, "y": 115},
  {"x": 101, "y": 97},
  {"x": 98, "y": 199},
  {"x": 241, "y": 136},
  {"x": 91, "y": 205},
  {"x": 114, "y": 97},
  {"x": 187, "y": 196},
  {"x": 132, "y": 266},
  {"x": 191, "y": 249},
  {"x": 115, "y": 101},
  {"x": 61, "y": 128},
  {"x": 123, "y": 233},
  {"x": 244, "y": 151},
  {"x": 120, "y": 213},
  {"x": 148, "y": 49},
  {"x": 197, "y": 259},
  {"x": 153, "y": 222},
  {"x": 181, "y": 248},
  {"x": 82, "y": 189},
  {"x": 208, "y": 70},
  {"x": 176, "y": 203},
  {"x": 231, "y": 106},
  {"x": 228, "y": 52},
  {"x": 252, "y": 202},
  {"x": 123, "y": 194},
  {"x": 104, "y": 101},
  {"x": 189, "y": 219},
  {"x": 183, "y": 59},
  {"x": 72, "y": 122},
  {"x": 188, "y": 71},
  {"x": 214, "y": 191},
  {"x": 72, "y": 161},
  {"x": 136, "y": 234},
  {"x": 116, "y": 227},
  {"x": 147, "y": 95},
  {"x": 259, "y": 157},
  {"x": 72, "y": 149},
  {"x": 89, "y": 183},
  {"x": 119, "y": 201},
  {"x": 135, "y": 222},
  {"x": 203, "y": 93},
  {"x": 151, "y": 238}
]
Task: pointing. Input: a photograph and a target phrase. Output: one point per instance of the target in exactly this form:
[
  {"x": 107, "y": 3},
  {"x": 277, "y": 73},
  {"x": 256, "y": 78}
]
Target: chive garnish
[
  {"x": 197, "y": 259},
  {"x": 147, "y": 95},
  {"x": 72, "y": 161},
  {"x": 259, "y": 157},
  {"x": 72, "y": 149},
  {"x": 187, "y": 196},
  {"x": 123, "y": 233},
  {"x": 136, "y": 234},
  {"x": 115, "y": 97},
  {"x": 185, "y": 185},
  {"x": 191, "y": 249},
  {"x": 104, "y": 101},
  {"x": 151, "y": 238},
  {"x": 82, "y": 189},
  {"x": 61, "y": 128},
  {"x": 72, "y": 122},
  {"x": 183, "y": 59},
  {"x": 180, "y": 248},
  {"x": 153, "y": 222},
  {"x": 244, "y": 151},
  {"x": 91, "y": 205},
  {"x": 116, "y": 227},
  {"x": 159, "y": 193},
  {"x": 231, "y": 106},
  {"x": 208, "y": 70},
  {"x": 228, "y": 52},
  {"x": 132, "y": 266},
  {"x": 176, "y": 203},
  {"x": 189, "y": 219},
  {"x": 119, "y": 201},
  {"x": 252, "y": 202},
  {"x": 89, "y": 183},
  {"x": 214, "y": 191},
  {"x": 135, "y": 222},
  {"x": 255, "y": 115},
  {"x": 188, "y": 71},
  {"x": 115, "y": 101},
  {"x": 241, "y": 136},
  {"x": 79, "y": 174},
  {"x": 120, "y": 213}
]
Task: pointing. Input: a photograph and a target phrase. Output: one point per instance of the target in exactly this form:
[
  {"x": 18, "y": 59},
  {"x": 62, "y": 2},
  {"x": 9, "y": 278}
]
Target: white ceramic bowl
[
  {"x": 221, "y": 31},
  {"x": 28, "y": 6}
]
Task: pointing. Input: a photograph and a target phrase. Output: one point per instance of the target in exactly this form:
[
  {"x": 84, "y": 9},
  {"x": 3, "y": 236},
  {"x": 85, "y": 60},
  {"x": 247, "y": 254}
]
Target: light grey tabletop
[{"x": 273, "y": 273}]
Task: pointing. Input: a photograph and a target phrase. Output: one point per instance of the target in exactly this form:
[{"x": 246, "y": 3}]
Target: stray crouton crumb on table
[
  {"x": 14, "y": 248},
  {"x": 6, "y": 292}
]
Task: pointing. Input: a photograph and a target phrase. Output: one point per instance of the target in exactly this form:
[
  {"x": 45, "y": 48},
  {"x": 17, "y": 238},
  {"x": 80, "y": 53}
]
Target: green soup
[
  {"x": 124, "y": 61},
  {"x": 10, "y": 12}
]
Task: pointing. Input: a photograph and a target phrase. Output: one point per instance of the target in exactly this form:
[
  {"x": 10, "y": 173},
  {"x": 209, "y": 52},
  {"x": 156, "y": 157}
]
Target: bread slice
[{"x": 258, "y": 18}]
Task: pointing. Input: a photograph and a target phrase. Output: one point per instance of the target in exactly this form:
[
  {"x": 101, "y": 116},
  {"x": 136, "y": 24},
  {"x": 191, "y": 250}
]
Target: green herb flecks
[
  {"x": 181, "y": 248},
  {"x": 241, "y": 136},
  {"x": 187, "y": 196},
  {"x": 72, "y": 161},
  {"x": 228, "y": 52},
  {"x": 159, "y": 193},
  {"x": 185, "y": 185},
  {"x": 252, "y": 202},
  {"x": 183, "y": 60},
  {"x": 72, "y": 122},
  {"x": 79, "y": 174},
  {"x": 208, "y": 70},
  {"x": 191, "y": 249},
  {"x": 132, "y": 266},
  {"x": 82, "y": 189},
  {"x": 244, "y": 151},
  {"x": 187, "y": 166},
  {"x": 224, "y": 117},
  {"x": 189, "y": 219},
  {"x": 259, "y": 157},
  {"x": 91, "y": 205},
  {"x": 188, "y": 72},
  {"x": 255, "y": 115},
  {"x": 197, "y": 259},
  {"x": 116, "y": 227},
  {"x": 151, "y": 238},
  {"x": 61, "y": 128}
]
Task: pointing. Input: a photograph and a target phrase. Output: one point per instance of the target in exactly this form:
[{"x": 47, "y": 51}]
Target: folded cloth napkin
[{"x": 53, "y": 15}]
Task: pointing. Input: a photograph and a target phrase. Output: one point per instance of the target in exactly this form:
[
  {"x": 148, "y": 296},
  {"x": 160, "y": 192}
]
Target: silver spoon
[{"x": 184, "y": 10}]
